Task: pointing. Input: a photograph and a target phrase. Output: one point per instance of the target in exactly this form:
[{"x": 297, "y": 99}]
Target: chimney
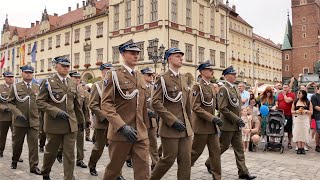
[
  {"x": 69, "y": 9},
  {"x": 32, "y": 24},
  {"x": 77, "y": 5},
  {"x": 37, "y": 22},
  {"x": 234, "y": 8},
  {"x": 55, "y": 14}
]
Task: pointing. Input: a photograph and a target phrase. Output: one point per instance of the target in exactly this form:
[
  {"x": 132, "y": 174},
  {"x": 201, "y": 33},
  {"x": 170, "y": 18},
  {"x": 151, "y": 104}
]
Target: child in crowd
[{"x": 246, "y": 134}]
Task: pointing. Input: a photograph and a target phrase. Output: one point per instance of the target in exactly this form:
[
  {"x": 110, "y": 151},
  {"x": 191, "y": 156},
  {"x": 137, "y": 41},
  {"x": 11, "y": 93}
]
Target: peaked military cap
[
  {"x": 74, "y": 74},
  {"x": 27, "y": 68},
  {"x": 128, "y": 46},
  {"x": 170, "y": 51},
  {"x": 146, "y": 70},
  {"x": 105, "y": 66},
  {"x": 61, "y": 60},
  {"x": 8, "y": 74},
  {"x": 205, "y": 65},
  {"x": 229, "y": 70}
]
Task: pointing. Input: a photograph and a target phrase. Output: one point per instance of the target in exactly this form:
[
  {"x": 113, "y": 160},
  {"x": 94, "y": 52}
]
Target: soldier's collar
[
  {"x": 174, "y": 72},
  {"x": 7, "y": 85},
  {"x": 230, "y": 84},
  {"x": 61, "y": 78},
  {"x": 128, "y": 68},
  {"x": 26, "y": 83},
  {"x": 206, "y": 82}
]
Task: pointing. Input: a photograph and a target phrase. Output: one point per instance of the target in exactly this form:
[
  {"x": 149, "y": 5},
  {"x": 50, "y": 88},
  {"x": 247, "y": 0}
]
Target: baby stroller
[{"x": 275, "y": 130}]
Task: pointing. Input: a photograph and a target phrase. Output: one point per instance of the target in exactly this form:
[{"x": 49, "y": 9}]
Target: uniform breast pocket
[
  {"x": 4, "y": 94},
  {"x": 172, "y": 92},
  {"x": 207, "y": 96},
  {"x": 58, "y": 93},
  {"x": 127, "y": 88},
  {"x": 22, "y": 94}
]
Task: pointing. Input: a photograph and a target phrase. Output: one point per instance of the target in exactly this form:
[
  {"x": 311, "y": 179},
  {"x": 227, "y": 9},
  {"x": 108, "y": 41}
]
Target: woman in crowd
[
  {"x": 301, "y": 111},
  {"x": 268, "y": 99}
]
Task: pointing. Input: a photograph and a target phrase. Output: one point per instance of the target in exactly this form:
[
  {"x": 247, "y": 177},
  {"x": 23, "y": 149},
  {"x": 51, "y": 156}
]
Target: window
[
  {"x": 115, "y": 54},
  {"x": 222, "y": 60},
  {"x": 244, "y": 43},
  {"x": 222, "y": 26},
  {"x": 188, "y": 13},
  {"x": 305, "y": 70},
  {"x": 42, "y": 45},
  {"x": 18, "y": 52},
  {"x": 67, "y": 38},
  {"x": 302, "y": 2},
  {"x": 58, "y": 40},
  {"x": 49, "y": 63},
  {"x": 304, "y": 35},
  {"x": 304, "y": 27},
  {"x": 304, "y": 19},
  {"x": 76, "y": 59},
  {"x": 29, "y": 48},
  {"x": 188, "y": 54},
  {"x": 100, "y": 55},
  {"x": 154, "y": 10},
  {"x": 87, "y": 57},
  {"x": 249, "y": 46},
  {"x": 305, "y": 56},
  {"x": 286, "y": 68},
  {"x": 141, "y": 47},
  {"x": 41, "y": 65},
  {"x": 50, "y": 43},
  {"x": 87, "y": 32},
  {"x": 174, "y": 43},
  {"x": 201, "y": 18},
  {"x": 128, "y": 13},
  {"x": 100, "y": 29},
  {"x": 140, "y": 11},
  {"x": 174, "y": 10},
  {"x": 116, "y": 18},
  {"x": 76, "y": 35},
  {"x": 17, "y": 69},
  {"x": 35, "y": 66},
  {"x": 201, "y": 54},
  {"x": 212, "y": 12},
  {"x": 213, "y": 57}
]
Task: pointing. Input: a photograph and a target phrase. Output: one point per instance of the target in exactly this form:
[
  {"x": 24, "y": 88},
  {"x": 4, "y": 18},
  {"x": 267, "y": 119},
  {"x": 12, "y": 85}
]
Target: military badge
[
  {"x": 221, "y": 94},
  {"x": 194, "y": 93},
  {"x": 156, "y": 86},
  {"x": 57, "y": 96},
  {"x": 105, "y": 82}
]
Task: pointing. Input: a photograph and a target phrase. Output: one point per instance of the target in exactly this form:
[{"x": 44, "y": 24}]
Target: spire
[
  {"x": 5, "y": 25},
  {"x": 45, "y": 16},
  {"x": 287, "y": 40}
]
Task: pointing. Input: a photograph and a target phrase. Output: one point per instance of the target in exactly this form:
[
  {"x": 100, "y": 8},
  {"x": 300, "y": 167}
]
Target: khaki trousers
[
  {"x": 98, "y": 147},
  {"x": 4, "y": 128},
  {"x": 68, "y": 143},
  {"x": 19, "y": 134},
  {"x": 153, "y": 151},
  {"x": 118, "y": 152},
  {"x": 80, "y": 145},
  {"x": 174, "y": 148},
  {"x": 212, "y": 142}
]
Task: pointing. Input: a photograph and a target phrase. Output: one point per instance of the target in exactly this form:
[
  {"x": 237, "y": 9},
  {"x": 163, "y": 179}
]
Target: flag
[
  {"x": 12, "y": 60},
  {"x": 4, "y": 60},
  {"x": 33, "y": 52},
  {"x": 22, "y": 52}
]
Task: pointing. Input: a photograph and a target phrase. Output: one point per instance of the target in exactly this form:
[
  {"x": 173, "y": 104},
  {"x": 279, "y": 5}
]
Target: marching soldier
[
  {"x": 229, "y": 104},
  {"x": 83, "y": 100},
  {"x": 5, "y": 112},
  {"x": 124, "y": 104},
  {"x": 22, "y": 102},
  {"x": 58, "y": 100},
  {"x": 203, "y": 120},
  {"x": 171, "y": 102},
  {"x": 152, "y": 130},
  {"x": 100, "y": 123}
]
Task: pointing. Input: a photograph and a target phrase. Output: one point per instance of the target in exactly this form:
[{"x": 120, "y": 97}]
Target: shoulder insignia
[
  {"x": 156, "y": 86},
  {"x": 105, "y": 82},
  {"x": 194, "y": 93},
  {"x": 221, "y": 94}
]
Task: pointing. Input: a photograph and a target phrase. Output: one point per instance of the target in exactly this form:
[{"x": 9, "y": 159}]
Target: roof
[
  {"x": 287, "y": 39},
  {"x": 57, "y": 22},
  {"x": 264, "y": 40},
  {"x": 239, "y": 19}
]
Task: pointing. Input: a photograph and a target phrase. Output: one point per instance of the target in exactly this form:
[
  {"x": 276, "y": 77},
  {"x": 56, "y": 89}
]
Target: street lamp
[
  {"x": 275, "y": 79},
  {"x": 241, "y": 75},
  {"x": 155, "y": 54}
]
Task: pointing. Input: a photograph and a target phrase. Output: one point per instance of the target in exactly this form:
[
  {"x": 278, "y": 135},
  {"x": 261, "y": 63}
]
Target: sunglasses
[{"x": 65, "y": 66}]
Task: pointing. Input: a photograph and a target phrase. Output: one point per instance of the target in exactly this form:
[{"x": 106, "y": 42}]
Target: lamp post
[
  {"x": 275, "y": 79},
  {"x": 155, "y": 54},
  {"x": 241, "y": 75}
]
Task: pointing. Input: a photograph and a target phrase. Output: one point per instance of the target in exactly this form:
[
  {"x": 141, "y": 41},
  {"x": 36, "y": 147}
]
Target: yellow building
[{"x": 89, "y": 35}]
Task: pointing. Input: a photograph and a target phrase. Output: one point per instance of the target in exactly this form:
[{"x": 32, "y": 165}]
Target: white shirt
[
  {"x": 129, "y": 69},
  {"x": 7, "y": 85},
  {"x": 26, "y": 83},
  {"x": 174, "y": 72},
  {"x": 206, "y": 82},
  {"x": 61, "y": 78}
]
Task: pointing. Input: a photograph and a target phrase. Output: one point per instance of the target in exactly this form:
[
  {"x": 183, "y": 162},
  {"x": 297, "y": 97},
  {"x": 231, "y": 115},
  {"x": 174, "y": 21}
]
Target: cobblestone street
[{"x": 266, "y": 165}]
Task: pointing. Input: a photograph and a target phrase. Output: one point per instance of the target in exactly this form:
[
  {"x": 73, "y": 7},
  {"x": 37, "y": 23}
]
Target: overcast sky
[{"x": 268, "y": 17}]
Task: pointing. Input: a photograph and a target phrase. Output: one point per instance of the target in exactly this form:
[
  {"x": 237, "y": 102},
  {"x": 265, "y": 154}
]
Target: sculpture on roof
[
  {"x": 15, "y": 32},
  {"x": 45, "y": 16}
]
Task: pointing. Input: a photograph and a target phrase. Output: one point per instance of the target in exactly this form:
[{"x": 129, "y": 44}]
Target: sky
[{"x": 268, "y": 17}]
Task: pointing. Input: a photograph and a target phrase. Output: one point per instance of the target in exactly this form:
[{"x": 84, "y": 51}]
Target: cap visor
[
  {"x": 28, "y": 71},
  {"x": 209, "y": 67},
  {"x": 64, "y": 63},
  {"x": 133, "y": 49}
]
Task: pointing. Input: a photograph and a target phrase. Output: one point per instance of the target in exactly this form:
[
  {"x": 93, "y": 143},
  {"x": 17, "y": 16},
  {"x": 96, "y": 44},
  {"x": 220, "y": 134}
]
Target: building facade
[
  {"x": 89, "y": 35},
  {"x": 300, "y": 50}
]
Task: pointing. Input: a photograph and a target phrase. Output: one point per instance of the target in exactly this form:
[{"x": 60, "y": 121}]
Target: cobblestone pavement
[{"x": 266, "y": 165}]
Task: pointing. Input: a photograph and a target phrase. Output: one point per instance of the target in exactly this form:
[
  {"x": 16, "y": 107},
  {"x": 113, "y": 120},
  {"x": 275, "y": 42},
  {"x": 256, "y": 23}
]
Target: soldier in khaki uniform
[
  {"x": 229, "y": 104},
  {"x": 83, "y": 100},
  {"x": 152, "y": 130},
  {"x": 124, "y": 103},
  {"x": 204, "y": 122},
  {"x": 42, "y": 134},
  {"x": 171, "y": 102},
  {"x": 58, "y": 100},
  {"x": 22, "y": 102},
  {"x": 5, "y": 112},
  {"x": 100, "y": 123}
]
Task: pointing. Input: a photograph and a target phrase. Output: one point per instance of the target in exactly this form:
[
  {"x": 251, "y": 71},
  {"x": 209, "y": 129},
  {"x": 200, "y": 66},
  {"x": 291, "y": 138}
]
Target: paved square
[{"x": 266, "y": 165}]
